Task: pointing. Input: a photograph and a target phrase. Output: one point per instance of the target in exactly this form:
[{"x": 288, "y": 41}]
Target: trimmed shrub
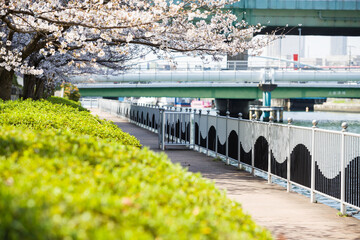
[
  {"x": 43, "y": 114},
  {"x": 56, "y": 185},
  {"x": 64, "y": 101},
  {"x": 71, "y": 91},
  {"x": 64, "y": 175}
]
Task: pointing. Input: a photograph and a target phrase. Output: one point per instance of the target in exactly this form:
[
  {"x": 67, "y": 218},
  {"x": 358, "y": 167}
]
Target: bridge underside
[
  {"x": 232, "y": 92},
  {"x": 313, "y": 22}
]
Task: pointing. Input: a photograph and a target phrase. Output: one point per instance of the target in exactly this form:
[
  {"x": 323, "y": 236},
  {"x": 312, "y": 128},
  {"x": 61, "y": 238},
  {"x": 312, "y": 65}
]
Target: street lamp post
[{"x": 299, "y": 45}]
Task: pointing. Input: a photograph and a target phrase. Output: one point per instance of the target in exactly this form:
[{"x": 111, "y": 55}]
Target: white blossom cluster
[
  {"x": 90, "y": 26},
  {"x": 11, "y": 60}
]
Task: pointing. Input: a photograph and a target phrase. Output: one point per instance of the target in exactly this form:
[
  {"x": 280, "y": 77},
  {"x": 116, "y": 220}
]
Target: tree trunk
[
  {"x": 29, "y": 86},
  {"x": 5, "y": 84},
  {"x": 40, "y": 87}
]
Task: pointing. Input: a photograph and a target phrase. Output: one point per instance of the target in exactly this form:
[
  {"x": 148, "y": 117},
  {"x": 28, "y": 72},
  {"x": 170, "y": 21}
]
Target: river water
[{"x": 326, "y": 120}]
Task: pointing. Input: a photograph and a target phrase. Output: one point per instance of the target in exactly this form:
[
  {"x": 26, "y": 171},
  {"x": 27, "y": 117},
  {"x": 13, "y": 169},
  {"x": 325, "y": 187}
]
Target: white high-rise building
[
  {"x": 287, "y": 47},
  {"x": 338, "y": 45}
]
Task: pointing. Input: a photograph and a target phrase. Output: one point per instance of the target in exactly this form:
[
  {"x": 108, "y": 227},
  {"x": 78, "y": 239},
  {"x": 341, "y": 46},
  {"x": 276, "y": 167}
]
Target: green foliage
[
  {"x": 64, "y": 101},
  {"x": 71, "y": 91},
  {"x": 43, "y": 114},
  {"x": 56, "y": 185}
]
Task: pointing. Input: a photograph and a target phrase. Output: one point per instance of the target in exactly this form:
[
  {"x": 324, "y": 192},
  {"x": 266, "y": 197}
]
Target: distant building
[
  {"x": 338, "y": 46},
  {"x": 287, "y": 46}
]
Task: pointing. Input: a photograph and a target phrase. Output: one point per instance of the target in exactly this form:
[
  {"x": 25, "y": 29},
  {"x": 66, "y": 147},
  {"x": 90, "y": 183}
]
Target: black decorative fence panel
[
  {"x": 221, "y": 135},
  {"x": 246, "y": 146},
  {"x": 232, "y": 139},
  {"x": 352, "y": 169},
  {"x": 175, "y": 128},
  {"x": 322, "y": 161},
  {"x": 300, "y": 150},
  {"x": 203, "y": 130},
  {"x": 212, "y": 133},
  {"x": 145, "y": 116},
  {"x": 279, "y": 150},
  {"x": 261, "y": 145},
  {"x": 328, "y": 163}
]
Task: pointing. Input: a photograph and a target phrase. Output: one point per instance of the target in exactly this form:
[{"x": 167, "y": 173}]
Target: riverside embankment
[
  {"x": 286, "y": 215},
  {"x": 339, "y": 105}
]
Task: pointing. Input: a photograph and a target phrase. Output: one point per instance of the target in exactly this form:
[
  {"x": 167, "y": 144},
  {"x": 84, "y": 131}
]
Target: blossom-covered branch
[{"x": 55, "y": 27}]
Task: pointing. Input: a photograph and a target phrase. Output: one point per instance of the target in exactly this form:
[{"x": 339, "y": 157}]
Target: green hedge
[
  {"x": 43, "y": 114},
  {"x": 55, "y": 184},
  {"x": 64, "y": 101}
]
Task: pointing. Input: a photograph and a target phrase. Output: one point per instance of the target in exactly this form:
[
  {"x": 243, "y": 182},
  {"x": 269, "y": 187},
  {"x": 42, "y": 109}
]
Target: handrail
[{"x": 321, "y": 161}]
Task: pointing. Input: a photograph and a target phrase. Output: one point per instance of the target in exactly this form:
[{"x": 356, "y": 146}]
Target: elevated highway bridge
[
  {"x": 315, "y": 17},
  {"x": 242, "y": 84}
]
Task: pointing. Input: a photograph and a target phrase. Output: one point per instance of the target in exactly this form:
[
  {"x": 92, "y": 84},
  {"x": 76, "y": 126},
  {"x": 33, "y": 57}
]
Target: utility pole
[
  {"x": 299, "y": 44},
  {"x": 350, "y": 56}
]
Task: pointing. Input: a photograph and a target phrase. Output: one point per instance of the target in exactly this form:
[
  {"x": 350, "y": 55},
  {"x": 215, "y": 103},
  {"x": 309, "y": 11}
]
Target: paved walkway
[{"x": 286, "y": 215}]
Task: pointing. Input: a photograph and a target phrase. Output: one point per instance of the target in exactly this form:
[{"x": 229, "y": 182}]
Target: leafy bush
[
  {"x": 43, "y": 114},
  {"x": 64, "y": 101},
  {"x": 57, "y": 185},
  {"x": 71, "y": 91}
]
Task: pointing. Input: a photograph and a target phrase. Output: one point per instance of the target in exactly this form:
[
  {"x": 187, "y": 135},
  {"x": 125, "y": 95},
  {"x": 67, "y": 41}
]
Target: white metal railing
[
  {"x": 89, "y": 102},
  {"x": 174, "y": 128},
  {"x": 322, "y": 161},
  {"x": 274, "y": 70},
  {"x": 230, "y": 76}
]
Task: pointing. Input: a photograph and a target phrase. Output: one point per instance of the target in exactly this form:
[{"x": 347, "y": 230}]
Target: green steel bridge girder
[
  {"x": 222, "y": 92},
  {"x": 307, "y": 18}
]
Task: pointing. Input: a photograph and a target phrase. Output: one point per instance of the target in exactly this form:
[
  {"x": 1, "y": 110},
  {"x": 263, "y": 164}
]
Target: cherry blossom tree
[
  {"x": 58, "y": 67},
  {"x": 52, "y": 29}
]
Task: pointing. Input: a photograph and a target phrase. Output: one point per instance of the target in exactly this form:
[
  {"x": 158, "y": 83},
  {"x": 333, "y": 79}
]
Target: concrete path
[{"x": 286, "y": 215}]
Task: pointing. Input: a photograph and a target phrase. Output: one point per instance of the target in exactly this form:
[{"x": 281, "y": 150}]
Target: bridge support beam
[
  {"x": 234, "y": 106},
  {"x": 266, "y": 88}
]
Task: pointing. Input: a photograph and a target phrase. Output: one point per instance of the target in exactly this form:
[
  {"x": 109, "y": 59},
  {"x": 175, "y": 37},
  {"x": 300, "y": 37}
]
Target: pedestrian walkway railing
[
  {"x": 175, "y": 128},
  {"x": 89, "y": 102},
  {"x": 322, "y": 161}
]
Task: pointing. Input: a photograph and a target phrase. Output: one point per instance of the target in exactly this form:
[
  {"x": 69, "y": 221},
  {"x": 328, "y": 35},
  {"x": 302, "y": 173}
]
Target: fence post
[
  {"x": 163, "y": 119},
  {"x": 199, "y": 136},
  {"x": 216, "y": 135},
  {"x": 207, "y": 132},
  {"x": 195, "y": 130},
  {"x": 226, "y": 138},
  {"x": 253, "y": 145},
  {"x": 192, "y": 128},
  {"x": 343, "y": 185},
  {"x": 160, "y": 130},
  {"x": 238, "y": 145},
  {"x": 288, "y": 167},
  {"x": 271, "y": 120},
  {"x": 312, "y": 187},
  {"x": 186, "y": 126},
  {"x": 180, "y": 125}
]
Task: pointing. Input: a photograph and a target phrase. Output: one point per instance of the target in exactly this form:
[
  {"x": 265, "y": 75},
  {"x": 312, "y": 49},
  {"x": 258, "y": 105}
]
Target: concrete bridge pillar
[
  {"x": 234, "y": 106},
  {"x": 267, "y": 88}
]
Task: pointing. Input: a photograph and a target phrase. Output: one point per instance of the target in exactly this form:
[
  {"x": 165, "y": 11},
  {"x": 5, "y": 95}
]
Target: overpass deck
[
  {"x": 223, "y": 84},
  {"x": 316, "y": 17}
]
